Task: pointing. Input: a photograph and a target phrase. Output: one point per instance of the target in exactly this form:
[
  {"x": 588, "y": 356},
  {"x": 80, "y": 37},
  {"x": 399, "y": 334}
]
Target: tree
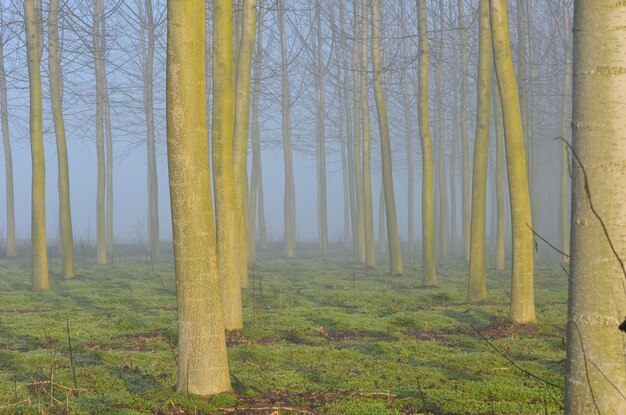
[
  {"x": 98, "y": 56},
  {"x": 368, "y": 216},
  {"x": 595, "y": 381},
  {"x": 228, "y": 247},
  {"x": 466, "y": 188},
  {"x": 56, "y": 102},
  {"x": 147, "y": 28},
  {"x": 202, "y": 359},
  {"x": 522, "y": 291},
  {"x": 245, "y": 51},
  {"x": 477, "y": 290},
  {"x": 395, "y": 250},
  {"x": 34, "y": 46},
  {"x": 428, "y": 212},
  {"x": 290, "y": 191},
  {"x": 11, "y": 248}
]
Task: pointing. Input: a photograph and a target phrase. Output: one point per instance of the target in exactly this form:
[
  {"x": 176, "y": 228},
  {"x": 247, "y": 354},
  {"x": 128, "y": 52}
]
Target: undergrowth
[{"x": 322, "y": 336}]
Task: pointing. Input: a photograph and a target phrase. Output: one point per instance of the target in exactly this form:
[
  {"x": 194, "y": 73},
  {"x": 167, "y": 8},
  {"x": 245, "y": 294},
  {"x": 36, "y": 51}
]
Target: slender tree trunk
[
  {"x": 290, "y": 197},
  {"x": 395, "y": 250},
  {"x": 228, "y": 248},
  {"x": 382, "y": 229},
  {"x": 242, "y": 122},
  {"x": 108, "y": 131},
  {"x": 595, "y": 381},
  {"x": 522, "y": 76},
  {"x": 441, "y": 148},
  {"x": 147, "y": 34},
  {"x": 499, "y": 127},
  {"x": 564, "y": 229},
  {"x": 428, "y": 215},
  {"x": 202, "y": 359},
  {"x": 345, "y": 173},
  {"x": 39, "y": 250},
  {"x": 464, "y": 133},
  {"x": 358, "y": 166},
  {"x": 11, "y": 248},
  {"x": 256, "y": 177},
  {"x": 408, "y": 126},
  {"x": 477, "y": 290},
  {"x": 101, "y": 244},
  {"x": 370, "y": 242},
  {"x": 453, "y": 214},
  {"x": 320, "y": 137},
  {"x": 522, "y": 290},
  {"x": 56, "y": 93}
]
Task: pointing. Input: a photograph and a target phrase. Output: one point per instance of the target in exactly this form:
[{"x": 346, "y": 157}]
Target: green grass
[{"x": 321, "y": 336}]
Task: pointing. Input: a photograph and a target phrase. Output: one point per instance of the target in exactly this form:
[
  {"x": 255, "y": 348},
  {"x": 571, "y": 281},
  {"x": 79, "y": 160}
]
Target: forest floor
[{"x": 322, "y": 336}]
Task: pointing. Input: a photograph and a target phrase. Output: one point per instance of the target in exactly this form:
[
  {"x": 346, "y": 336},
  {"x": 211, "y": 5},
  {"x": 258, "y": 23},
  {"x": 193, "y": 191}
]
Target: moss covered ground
[{"x": 322, "y": 336}]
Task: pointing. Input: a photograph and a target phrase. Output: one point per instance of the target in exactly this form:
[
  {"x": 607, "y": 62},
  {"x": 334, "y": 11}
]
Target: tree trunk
[
  {"x": 290, "y": 197},
  {"x": 98, "y": 55},
  {"x": 382, "y": 229},
  {"x": 441, "y": 147},
  {"x": 564, "y": 229},
  {"x": 202, "y": 360},
  {"x": 256, "y": 178},
  {"x": 368, "y": 215},
  {"x": 500, "y": 237},
  {"x": 464, "y": 134},
  {"x": 320, "y": 138},
  {"x": 228, "y": 248},
  {"x": 595, "y": 381},
  {"x": 39, "y": 250},
  {"x": 477, "y": 290},
  {"x": 428, "y": 215},
  {"x": 242, "y": 122},
  {"x": 108, "y": 131},
  {"x": 56, "y": 101},
  {"x": 395, "y": 250},
  {"x": 522, "y": 291},
  {"x": 358, "y": 166},
  {"x": 11, "y": 248}
]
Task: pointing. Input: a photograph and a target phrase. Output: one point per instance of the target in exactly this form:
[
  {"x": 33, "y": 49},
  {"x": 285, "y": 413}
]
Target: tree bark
[
  {"x": 320, "y": 137},
  {"x": 464, "y": 134},
  {"x": 39, "y": 252},
  {"x": 595, "y": 381},
  {"x": 477, "y": 290},
  {"x": 242, "y": 122},
  {"x": 228, "y": 248},
  {"x": 66, "y": 235},
  {"x": 522, "y": 290},
  {"x": 395, "y": 250},
  {"x": 429, "y": 277},
  {"x": 202, "y": 359},
  {"x": 11, "y": 247},
  {"x": 101, "y": 239},
  {"x": 290, "y": 197}
]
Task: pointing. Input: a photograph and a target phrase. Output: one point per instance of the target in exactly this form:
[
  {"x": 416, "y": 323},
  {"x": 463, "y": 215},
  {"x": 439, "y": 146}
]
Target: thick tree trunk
[
  {"x": 39, "y": 252},
  {"x": 395, "y": 250},
  {"x": 228, "y": 248},
  {"x": 202, "y": 359},
  {"x": 595, "y": 381},
  {"x": 11, "y": 248},
  {"x": 66, "y": 235},
  {"x": 428, "y": 215},
  {"x": 522, "y": 290},
  {"x": 477, "y": 290}
]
